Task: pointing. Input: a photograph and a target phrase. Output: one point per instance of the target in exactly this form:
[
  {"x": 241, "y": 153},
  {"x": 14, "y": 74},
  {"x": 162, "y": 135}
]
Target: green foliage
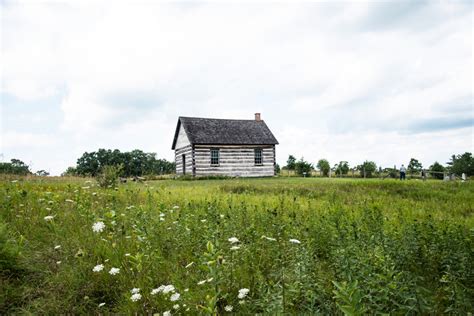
[
  {"x": 437, "y": 167},
  {"x": 291, "y": 163},
  {"x": 365, "y": 247},
  {"x": 42, "y": 173},
  {"x": 342, "y": 168},
  {"x": 303, "y": 168},
  {"x": 414, "y": 166},
  {"x": 367, "y": 169},
  {"x": 70, "y": 172},
  {"x": 460, "y": 164},
  {"x": 135, "y": 163},
  {"x": 324, "y": 167},
  {"x": 15, "y": 166},
  {"x": 108, "y": 178},
  {"x": 277, "y": 169}
]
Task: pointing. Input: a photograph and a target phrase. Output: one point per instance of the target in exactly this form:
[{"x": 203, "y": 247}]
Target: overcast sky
[{"x": 384, "y": 81}]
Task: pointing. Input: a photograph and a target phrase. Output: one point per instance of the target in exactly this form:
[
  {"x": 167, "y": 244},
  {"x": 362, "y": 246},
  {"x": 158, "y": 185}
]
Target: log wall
[{"x": 178, "y": 159}]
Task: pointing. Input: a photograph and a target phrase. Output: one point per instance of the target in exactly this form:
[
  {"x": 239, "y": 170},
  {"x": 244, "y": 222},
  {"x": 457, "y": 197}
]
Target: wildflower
[
  {"x": 269, "y": 238},
  {"x": 168, "y": 288},
  {"x": 57, "y": 247},
  {"x": 201, "y": 282},
  {"x": 114, "y": 271},
  {"x": 155, "y": 291},
  {"x": 243, "y": 293},
  {"x": 233, "y": 240},
  {"x": 186, "y": 290},
  {"x": 234, "y": 248},
  {"x": 58, "y": 262},
  {"x": 175, "y": 297},
  {"x": 48, "y": 218},
  {"x": 98, "y": 268},
  {"x": 203, "y": 220},
  {"x": 86, "y": 187},
  {"x": 98, "y": 227},
  {"x": 295, "y": 241},
  {"x": 228, "y": 308},
  {"x": 101, "y": 304},
  {"x": 209, "y": 280},
  {"x": 189, "y": 265},
  {"x": 167, "y": 313},
  {"x": 222, "y": 215},
  {"x": 135, "y": 290},
  {"x": 136, "y": 297},
  {"x": 242, "y": 302},
  {"x": 176, "y": 306},
  {"x": 69, "y": 201},
  {"x": 176, "y": 206},
  {"x": 127, "y": 255}
]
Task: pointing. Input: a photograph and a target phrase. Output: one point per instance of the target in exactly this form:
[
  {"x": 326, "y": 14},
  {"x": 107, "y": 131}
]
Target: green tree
[
  {"x": 15, "y": 166},
  {"x": 42, "y": 173},
  {"x": 341, "y": 168},
  {"x": 303, "y": 168},
  {"x": 323, "y": 166},
  {"x": 70, "y": 171},
  {"x": 277, "y": 168},
  {"x": 414, "y": 166},
  {"x": 367, "y": 169},
  {"x": 460, "y": 164},
  {"x": 291, "y": 163},
  {"x": 437, "y": 167}
]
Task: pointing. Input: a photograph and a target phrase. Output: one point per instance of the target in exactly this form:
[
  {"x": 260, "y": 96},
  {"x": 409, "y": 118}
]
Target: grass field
[{"x": 299, "y": 246}]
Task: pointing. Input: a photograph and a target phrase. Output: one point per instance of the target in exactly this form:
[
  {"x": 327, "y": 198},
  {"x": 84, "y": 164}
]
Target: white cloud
[{"x": 333, "y": 80}]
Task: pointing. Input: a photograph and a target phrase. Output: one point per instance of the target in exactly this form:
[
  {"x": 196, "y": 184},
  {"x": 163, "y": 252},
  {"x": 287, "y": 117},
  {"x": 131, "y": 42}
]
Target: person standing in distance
[{"x": 403, "y": 171}]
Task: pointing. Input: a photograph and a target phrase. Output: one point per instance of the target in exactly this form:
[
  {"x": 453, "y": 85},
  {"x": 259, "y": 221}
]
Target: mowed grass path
[{"x": 305, "y": 246}]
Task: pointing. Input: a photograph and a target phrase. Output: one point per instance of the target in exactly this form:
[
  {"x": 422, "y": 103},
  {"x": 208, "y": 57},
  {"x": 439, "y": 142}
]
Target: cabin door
[{"x": 184, "y": 163}]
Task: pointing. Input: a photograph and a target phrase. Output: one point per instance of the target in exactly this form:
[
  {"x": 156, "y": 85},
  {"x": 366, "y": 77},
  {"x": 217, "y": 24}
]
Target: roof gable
[{"x": 225, "y": 132}]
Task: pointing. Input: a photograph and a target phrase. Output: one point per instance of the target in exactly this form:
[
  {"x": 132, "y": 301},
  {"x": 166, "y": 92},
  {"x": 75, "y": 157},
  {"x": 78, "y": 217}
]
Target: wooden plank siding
[
  {"x": 234, "y": 160},
  {"x": 178, "y": 159}
]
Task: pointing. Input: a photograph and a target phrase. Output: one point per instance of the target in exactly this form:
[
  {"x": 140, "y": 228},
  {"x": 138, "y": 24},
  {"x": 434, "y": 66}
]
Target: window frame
[
  {"x": 213, "y": 150},
  {"x": 256, "y": 157}
]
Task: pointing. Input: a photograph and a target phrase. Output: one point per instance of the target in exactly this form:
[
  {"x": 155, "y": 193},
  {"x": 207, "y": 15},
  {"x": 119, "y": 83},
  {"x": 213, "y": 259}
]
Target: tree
[
  {"x": 291, "y": 163},
  {"x": 460, "y": 164},
  {"x": 367, "y": 168},
  {"x": 15, "y": 166},
  {"x": 414, "y": 166},
  {"x": 303, "y": 168},
  {"x": 42, "y": 173},
  {"x": 277, "y": 168},
  {"x": 70, "y": 171},
  {"x": 324, "y": 167},
  {"x": 438, "y": 168},
  {"x": 341, "y": 168}
]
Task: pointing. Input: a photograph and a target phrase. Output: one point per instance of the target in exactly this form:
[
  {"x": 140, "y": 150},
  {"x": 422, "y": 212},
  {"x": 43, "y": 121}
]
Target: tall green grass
[{"x": 366, "y": 246}]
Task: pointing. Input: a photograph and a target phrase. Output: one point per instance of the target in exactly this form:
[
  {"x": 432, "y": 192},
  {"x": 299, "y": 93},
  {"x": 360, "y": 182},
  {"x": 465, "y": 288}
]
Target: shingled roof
[{"x": 225, "y": 132}]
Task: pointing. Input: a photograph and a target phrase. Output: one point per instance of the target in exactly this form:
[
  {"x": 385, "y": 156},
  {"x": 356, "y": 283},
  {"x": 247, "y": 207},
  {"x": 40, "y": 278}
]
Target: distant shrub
[{"x": 108, "y": 178}]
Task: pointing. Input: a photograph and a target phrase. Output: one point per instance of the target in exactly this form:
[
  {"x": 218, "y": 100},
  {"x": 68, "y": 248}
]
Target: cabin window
[
  {"x": 215, "y": 156},
  {"x": 258, "y": 156}
]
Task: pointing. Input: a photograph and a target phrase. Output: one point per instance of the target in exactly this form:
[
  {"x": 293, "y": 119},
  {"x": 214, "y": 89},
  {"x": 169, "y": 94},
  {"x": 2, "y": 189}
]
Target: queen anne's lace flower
[
  {"x": 135, "y": 290},
  {"x": 101, "y": 304},
  {"x": 167, "y": 313},
  {"x": 175, "y": 297},
  {"x": 98, "y": 268},
  {"x": 168, "y": 288},
  {"x": 98, "y": 227},
  {"x": 234, "y": 248},
  {"x": 114, "y": 271},
  {"x": 295, "y": 241},
  {"x": 243, "y": 293},
  {"x": 48, "y": 218},
  {"x": 233, "y": 240},
  {"x": 136, "y": 297},
  {"x": 228, "y": 308}
]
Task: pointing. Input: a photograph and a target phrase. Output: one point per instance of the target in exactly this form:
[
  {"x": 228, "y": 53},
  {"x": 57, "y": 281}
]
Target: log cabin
[{"x": 224, "y": 147}]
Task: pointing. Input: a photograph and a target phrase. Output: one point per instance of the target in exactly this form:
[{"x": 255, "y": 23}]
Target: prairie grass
[{"x": 366, "y": 246}]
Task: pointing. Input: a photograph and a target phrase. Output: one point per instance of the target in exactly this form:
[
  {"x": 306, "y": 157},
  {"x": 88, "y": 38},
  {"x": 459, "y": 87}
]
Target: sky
[{"x": 346, "y": 81}]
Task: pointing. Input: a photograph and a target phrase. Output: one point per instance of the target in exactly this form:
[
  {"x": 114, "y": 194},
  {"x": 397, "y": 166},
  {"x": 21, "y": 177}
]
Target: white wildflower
[
  {"x": 127, "y": 255},
  {"x": 295, "y": 241},
  {"x": 48, "y": 218},
  {"x": 57, "y": 247},
  {"x": 189, "y": 265},
  {"x": 176, "y": 306},
  {"x": 136, "y": 297},
  {"x": 243, "y": 293},
  {"x": 186, "y": 290},
  {"x": 155, "y": 291},
  {"x": 269, "y": 238},
  {"x": 228, "y": 308},
  {"x": 168, "y": 288},
  {"x": 135, "y": 290},
  {"x": 98, "y": 268},
  {"x": 234, "y": 248},
  {"x": 58, "y": 262},
  {"x": 201, "y": 282},
  {"x": 167, "y": 313},
  {"x": 101, "y": 304},
  {"x": 233, "y": 240},
  {"x": 175, "y": 297},
  {"x": 98, "y": 227},
  {"x": 114, "y": 271},
  {"x": 203, "y": 220},
  {"x": 209, "y": 280},
  {"x": 176, "y": 206},
  {"x": 242, "y": 302},
  {"x": 69, "y": 201}
]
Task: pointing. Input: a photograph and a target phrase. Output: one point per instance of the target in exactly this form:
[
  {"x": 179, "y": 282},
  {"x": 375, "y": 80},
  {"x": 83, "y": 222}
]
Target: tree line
[
  {"x": 459, "y": 164},
  {"x": 129, "y": 164}
]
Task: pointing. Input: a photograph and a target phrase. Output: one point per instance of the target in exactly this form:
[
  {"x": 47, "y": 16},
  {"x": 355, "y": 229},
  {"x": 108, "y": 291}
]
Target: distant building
[{"x": 205, "y": 147}]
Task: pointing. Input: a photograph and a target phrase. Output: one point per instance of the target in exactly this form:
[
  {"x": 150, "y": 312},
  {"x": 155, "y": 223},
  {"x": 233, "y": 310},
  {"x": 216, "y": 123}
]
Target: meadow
[{"x": 237, "y": 246}]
